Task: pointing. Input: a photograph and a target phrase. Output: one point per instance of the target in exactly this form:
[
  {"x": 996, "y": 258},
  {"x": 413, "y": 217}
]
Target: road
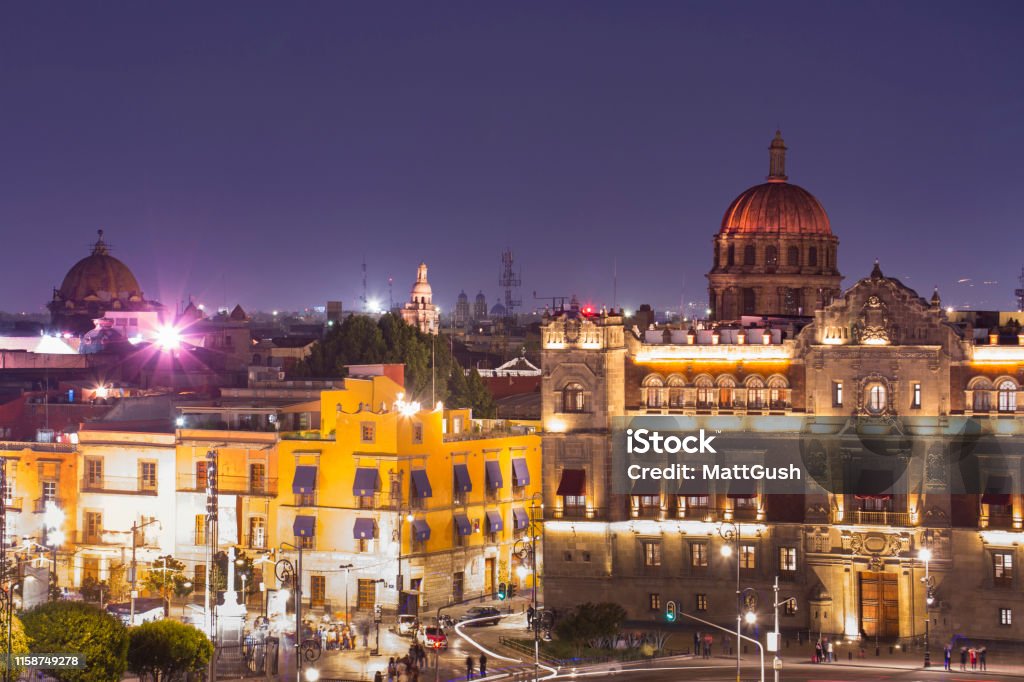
[{"x": 800, "y": 673}]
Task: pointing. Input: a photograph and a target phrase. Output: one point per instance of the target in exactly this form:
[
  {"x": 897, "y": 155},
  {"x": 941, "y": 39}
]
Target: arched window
[
  {"x": 982, "y": 400},
  {"x": 777, "y": 387},
  {"x": 793, "y": 256},
  {"x": 812, "y": 256},
  {"x": 771, "y": 257},
  {"x": 653, "y": 388},
  {"x": 755, "y": 393},
  {"x": 730, "y": 255},
  {"x": 875, "y": 400},
  {"x": 1007, "y": 396},
  {"x": 573, "y": 398},
  {"x": 726, "y": 391},
  {"x": 749, "y": 255},
  {"x": 675, "y": 391},
  {"x": 705, "y": 392}
]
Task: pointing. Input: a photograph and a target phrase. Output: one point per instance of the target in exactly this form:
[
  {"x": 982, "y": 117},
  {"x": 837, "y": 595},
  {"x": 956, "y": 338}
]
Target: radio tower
[
  {"x": 509, "y": 280},
  {"x": 363, "y": 298},
  {"x": 1019, "y": 293}
]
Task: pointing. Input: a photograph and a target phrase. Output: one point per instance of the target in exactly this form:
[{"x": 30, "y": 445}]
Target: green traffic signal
[
  {"x": 670, "y": 612},
  {"x": 502, "y": 591}
]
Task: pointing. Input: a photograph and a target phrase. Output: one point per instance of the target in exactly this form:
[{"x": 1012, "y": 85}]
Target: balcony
[
  {"x": 576, "y": 513},
  {"x": 230, "y": 485},
  {"x": 880, "y": 518},
  {"x": 124, "y": 485},
  {"x": 39, "y": 505},
  {"x": 698, "y": 513},
  {"x": 997, "y": 520},
  {"x": 255, "y": 540},
  {"x": 14, "y": 504}
]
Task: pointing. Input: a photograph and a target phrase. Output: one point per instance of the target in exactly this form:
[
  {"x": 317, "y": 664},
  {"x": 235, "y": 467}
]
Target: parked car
[
  {"x": 432, "y": 637},
  {"x": 407, "y": 625},
  {"x": 481, "y": 612}
]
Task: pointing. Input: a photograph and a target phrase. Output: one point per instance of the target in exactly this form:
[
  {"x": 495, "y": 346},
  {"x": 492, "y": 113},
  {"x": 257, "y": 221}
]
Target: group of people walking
[{"x": 824, "y": 651}]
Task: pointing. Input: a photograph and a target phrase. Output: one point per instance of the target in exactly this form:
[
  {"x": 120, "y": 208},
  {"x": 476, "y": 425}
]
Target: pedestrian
[
  {"x": 963, "y": 658},
  {"x": 818, "y": 651},
  {"x": 981, "y": 658},
  {"x": 947, "y": 655},
  {"x": 529, "y": 617},
  {"x": 696, "y": 643},
  {"x": 377, "y": 677},
  {"x": 831, "y": 652},
  {"x": 392, "y": 669},
  {"x": 469, "y": 667},
  {"x": 483, "y": 665},
  {"x": 974, "y": 658}
]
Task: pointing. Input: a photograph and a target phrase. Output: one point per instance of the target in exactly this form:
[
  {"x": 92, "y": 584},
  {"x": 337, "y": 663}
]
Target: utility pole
[
  {"x": 212, "y": 506},
  {"x": 6, "y": 586},
  {"x": 778, "y": 641},
  {"x": 135, "y": 534}
]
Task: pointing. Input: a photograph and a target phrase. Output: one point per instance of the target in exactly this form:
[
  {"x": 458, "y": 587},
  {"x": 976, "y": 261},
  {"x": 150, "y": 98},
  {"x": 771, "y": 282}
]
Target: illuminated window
[
  {"x": 1006, "y": 616},
  {"x": 915, "y": 399},
  {"x": 876, "y": 399},
  {"x": 201, "y": 475},
  {"x": 701, "y": 602},
  {"x": 573, "y": 398},
  {"x": 748, "y": 557},
  {"x": 366, "y": 594},
  {"x": 675, "y": 392},
  {"x": 257, "y": 477},
  {"x": 317, "y": 590},
  {"x": 787, "y": 559},
  {"x": 1007, "y": 396},
  {"x": 94, "y": 472},
  {"x": 257, "y": 532},
  {"x": 93, "y": 526},
  {"x": 837, "y": 394},
  {"x": 199, "y": 531},
  {"x": 653, "y": 390},
  {"x": 706, "y": 395},
  {"x": 417, "y": 433},
  {"x": 199, "y": 577},
  {"x": 771, "y": 257},
  {"x": 1002, "y": 569},
  {"x": 699, "y": 554},
  {"x": 652, "y": 553},
  {"x": 654, "y": 601},
  {"x": 147, "y": 476},
  {"x": 697, "y": 501}
]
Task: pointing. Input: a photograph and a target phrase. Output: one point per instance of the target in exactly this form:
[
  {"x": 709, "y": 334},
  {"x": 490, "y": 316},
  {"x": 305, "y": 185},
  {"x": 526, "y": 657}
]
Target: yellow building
[{"x": 405, "y": 507}]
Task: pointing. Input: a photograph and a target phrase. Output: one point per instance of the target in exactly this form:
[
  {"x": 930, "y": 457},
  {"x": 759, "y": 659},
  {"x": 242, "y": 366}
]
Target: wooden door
[
  {"x": 879, "y": 604},
  {"x": 489, "y": 576}
]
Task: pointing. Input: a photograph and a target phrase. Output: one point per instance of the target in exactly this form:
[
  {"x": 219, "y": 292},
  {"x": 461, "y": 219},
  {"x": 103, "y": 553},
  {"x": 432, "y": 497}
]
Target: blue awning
[
  {"x": 493, "y": 470},
  {"x": 520, "y": 519},
  {"x": 462, "y": 482},
  {"x": 364, "y": 529},
  {"x": 494, "y": 522},
  {"x": 304, "y": 482},
  {"x": 367, "y": 482},
  {"x": 304, "y": 526},
  {"x": 420, "y": 530},
  {"x": 421, "y": 483},
  {"x": 463, "y": 525},
  {"x": 520, "y": 472}
]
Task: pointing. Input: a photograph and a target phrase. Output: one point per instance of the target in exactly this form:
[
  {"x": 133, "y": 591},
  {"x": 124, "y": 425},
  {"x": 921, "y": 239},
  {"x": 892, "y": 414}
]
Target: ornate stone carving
[{"x": 873, "y": 327}]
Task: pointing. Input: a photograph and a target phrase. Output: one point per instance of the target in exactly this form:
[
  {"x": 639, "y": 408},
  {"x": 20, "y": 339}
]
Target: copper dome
[
  {"x": 776, "y": 206},
  {"x": 99, "y": 275}
]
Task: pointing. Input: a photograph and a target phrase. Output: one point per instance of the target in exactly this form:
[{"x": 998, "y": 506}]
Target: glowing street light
[
  {"x": 168, "y": 338},
  {"x": 750, "y": 617}
]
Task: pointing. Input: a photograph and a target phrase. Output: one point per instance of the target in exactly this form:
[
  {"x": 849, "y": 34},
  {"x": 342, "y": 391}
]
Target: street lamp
[
  {"x": 526, "y": 550},
  {"x": 347, "y": 568},
  {"x": 730, "y": 532},
  {"x": 285, "y": 571},
  {"x": 136, "y": 527},
  {"x": 777, "y": 604},
  {"x": 925, "y": 555}
]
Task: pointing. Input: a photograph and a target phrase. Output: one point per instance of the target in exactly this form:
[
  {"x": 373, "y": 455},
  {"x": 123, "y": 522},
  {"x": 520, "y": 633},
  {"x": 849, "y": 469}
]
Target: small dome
[
  {"x": 480, "y": 298},
  {"x": 100, "y": 276},
  {"x": 422, "y": 287},
  {"x": 498, "y": 310},
  {"x": 463, "y": 298},
  {"x": 776, "y": 206}
]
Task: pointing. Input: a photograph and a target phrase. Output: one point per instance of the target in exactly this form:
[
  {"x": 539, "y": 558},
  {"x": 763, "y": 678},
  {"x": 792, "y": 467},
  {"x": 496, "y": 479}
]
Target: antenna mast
[
  {"x": 1019, "y": 293},
  {"x": 509, "y": 280}
]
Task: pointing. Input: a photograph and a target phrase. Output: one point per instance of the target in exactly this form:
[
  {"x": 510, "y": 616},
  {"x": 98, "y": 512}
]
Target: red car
[{"x": 433, "y": 637}]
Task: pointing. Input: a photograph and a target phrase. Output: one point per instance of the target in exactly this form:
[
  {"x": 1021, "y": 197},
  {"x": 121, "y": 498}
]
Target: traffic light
[
  {"x": 502, "y": 591},
  {"x": 378, "y": 613},
  {"x": 670, "y": 612},
  {"x": 511, "y": 590}
]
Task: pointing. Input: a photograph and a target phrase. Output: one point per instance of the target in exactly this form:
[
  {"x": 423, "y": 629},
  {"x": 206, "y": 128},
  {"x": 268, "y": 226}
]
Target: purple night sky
[{"x": 256, "y": 152}]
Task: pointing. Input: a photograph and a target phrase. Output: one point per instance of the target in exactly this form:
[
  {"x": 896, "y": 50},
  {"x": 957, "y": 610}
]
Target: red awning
[{"x": 574, "y": 482}]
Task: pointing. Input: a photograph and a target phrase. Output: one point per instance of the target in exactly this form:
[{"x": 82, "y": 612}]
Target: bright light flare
[
  {"x": 727, "y": 551},
  {"x": 750, "y": 617},
  {"x": 312, "y": 674},
  {"x": 925, "y": 555},
  {"x": 168, "y": 338},
  {"x": 102, "y": 391}
]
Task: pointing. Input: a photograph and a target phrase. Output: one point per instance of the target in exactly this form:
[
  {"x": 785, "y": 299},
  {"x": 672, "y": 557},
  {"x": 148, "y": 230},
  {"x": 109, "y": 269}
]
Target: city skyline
[{"x": 324, "y": 137}]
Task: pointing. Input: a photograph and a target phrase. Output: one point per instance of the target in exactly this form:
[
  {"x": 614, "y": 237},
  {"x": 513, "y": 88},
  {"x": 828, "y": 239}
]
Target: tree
[
  {"x": 243, "y": 566},
  {"x": 19, "y": 645},
  {"x": 94, "y": 590},
  {"x": 589, "y": 621},
  {"x": 360, "y": 340},
  {"x": 167, "y": 650},
  {"x": 67, "y": 626},
  {"x": 480, "y": 398},
  {"x": 166, "y": 577}
]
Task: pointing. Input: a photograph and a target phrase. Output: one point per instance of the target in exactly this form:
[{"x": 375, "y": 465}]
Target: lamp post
[
  {"x": 136, "y": 527},
  {"x": 926, "y": 556},
  {"x": 346, "y": 568},
  {"x": 527, "y": 551},
  {"x": 730, "y": 532},
  {"x": 400, "y": 581},
  {"x": 777, "y": 604},
  {"x": 285, "y": 571}
]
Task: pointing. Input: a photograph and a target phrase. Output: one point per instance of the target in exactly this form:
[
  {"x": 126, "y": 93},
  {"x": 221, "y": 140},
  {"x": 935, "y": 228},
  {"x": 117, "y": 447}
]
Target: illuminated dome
[
  {"x": 99, "y": 276},
  {"x": 776, "y": 207},
  {"x": 422, "y": 290}
]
